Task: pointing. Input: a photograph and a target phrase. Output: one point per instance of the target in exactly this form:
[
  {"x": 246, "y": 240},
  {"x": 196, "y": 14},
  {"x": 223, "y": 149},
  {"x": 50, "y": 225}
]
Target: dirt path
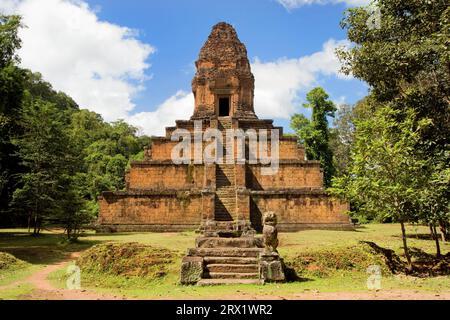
[{"x": 45, "y": 290}]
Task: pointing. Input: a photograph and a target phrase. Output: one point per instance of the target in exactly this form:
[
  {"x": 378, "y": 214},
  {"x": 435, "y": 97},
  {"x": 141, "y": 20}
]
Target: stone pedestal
[
  {"x": 271, "y": 267},
  {"x": 191, "y": 270},
  {"x": 227, "y": 229}
]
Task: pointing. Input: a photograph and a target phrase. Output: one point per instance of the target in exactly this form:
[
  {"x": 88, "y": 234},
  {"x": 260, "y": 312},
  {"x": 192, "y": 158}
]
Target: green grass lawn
[{"x": 49, "y": 248}]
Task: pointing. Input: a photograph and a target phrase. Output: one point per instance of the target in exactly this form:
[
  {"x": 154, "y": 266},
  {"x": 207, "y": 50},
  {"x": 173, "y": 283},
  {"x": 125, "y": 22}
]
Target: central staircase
[
  {"x": 227, "y": 252},
  {"x": 225, "y": 199},
  {"x": 229, "y": 261},
  {"x": 230, "y": 258}
]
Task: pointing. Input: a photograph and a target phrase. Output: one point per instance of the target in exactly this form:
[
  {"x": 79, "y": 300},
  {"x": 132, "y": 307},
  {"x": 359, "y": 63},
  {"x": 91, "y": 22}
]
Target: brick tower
[
  {"x": 227, "y": 201},
  {"x": 223, "y": 199}
]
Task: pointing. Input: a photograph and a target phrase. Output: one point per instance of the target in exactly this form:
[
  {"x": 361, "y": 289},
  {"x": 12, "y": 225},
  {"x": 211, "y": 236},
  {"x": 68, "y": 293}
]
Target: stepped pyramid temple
[
  {"x": 163, "y": 196},
  {"x": 225, "y": 201}
]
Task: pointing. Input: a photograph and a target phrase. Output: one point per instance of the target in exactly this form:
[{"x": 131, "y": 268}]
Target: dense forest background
[
  {"x": 389, "y": 155},
  {"x": 55, "y": 158}
]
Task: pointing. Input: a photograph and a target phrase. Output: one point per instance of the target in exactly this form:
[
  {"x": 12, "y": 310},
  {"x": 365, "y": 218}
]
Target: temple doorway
[{"x": 224, "y": 107}]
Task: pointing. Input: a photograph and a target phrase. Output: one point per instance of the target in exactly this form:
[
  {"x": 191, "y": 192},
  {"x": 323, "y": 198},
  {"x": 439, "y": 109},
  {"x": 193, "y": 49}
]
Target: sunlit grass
[{"x": 291, "y": 244}]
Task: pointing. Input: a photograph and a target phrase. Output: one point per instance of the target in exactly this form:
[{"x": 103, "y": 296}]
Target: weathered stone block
[
  {"x": 271, "y": 268},
  {"x": 217, "y": 242},
  {"x": 191, "y": 270}
]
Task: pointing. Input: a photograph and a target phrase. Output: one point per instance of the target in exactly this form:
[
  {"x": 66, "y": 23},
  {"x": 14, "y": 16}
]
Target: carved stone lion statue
[{"x": 270, "y": 232}]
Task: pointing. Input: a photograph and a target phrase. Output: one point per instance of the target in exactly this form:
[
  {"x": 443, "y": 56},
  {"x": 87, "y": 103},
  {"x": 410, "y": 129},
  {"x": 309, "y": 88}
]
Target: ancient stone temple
[{"x": 223, "y": 199}]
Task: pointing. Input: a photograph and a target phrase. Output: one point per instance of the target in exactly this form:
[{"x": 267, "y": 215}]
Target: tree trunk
[
  {"x": 436, "y": 239},
  {"x": 444, "y": 230},
  {"x": 29, "y": 221},
  {"x": 405, "y": 246},
  {"x": 39, "y": 226},
  {"x": 35, "y": 231}
]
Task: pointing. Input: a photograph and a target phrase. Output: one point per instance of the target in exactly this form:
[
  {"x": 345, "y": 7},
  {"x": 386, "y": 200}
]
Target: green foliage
[
  {"x": 37, "y": 87},
  {"x": 44, "y": 153},
  {"x": 386, "y": 168},
  {"x": 9, "y": 262},
  {"x": 9, "y": 39},
  {"x": 341, "y": 138},
  {"x": 11, "y": 94},
  {"x": 55, "y": 159},
  {"x": 406, "y": 63},
  {"x": 324, "y": 263},
  {"x": 104, "y": 152},
  {"x": 434, "y": 195},
  {"x": 127, "y": 260},
  {"x": 314, "y": 133}
]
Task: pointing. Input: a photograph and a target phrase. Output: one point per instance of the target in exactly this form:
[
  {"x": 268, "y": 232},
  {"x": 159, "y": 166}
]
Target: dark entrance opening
[{"x": 224, "y": 107}]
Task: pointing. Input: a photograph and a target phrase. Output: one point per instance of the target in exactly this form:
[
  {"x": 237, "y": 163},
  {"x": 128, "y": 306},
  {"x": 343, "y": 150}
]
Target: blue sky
[
  {"x": 178, "y": 29},
  {"x": 151, "y": 47}
]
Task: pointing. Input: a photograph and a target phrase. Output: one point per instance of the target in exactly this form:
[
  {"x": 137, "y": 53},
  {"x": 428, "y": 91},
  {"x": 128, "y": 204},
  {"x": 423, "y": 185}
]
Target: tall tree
[
  {"x": 11, "y": 93},
  {"x": 9, "y": 39},
  {"x": 103, "y": 152},
  {"x": 315, "y": 133},
  {"x": 434, "y": 197},
  {"x": 386, "y": 170},
  {"x": 44, "y": 151},
  {"x": 341, "y": 138},
  {"x": 406, "y": 61}
]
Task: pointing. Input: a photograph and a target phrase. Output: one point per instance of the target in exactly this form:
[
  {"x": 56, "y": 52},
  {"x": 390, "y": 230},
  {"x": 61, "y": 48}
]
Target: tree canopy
[
  {"x": 55, "y": 158},
  {"x": 314, "y": 134}
]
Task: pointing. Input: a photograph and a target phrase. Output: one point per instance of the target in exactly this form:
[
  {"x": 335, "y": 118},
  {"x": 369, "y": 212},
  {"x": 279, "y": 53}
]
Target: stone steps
[
  {"x": 223, "y": 182},
  {"x": 231, "y": 268},
  {"x": 225, "y": 252},
  {"x": 231, "y": 260},
  {"x": 217, "y": 242},
  {"x": 231, "y": 275},
  {"x": 226, "y": 192},
  {"x": 227, "y": 200},
  {"x": 225, "y": 203},
  {"x": 223, "y": 217},
  {"x": 226, "y": 168},
  {"x": 223, "y": 213},
  {"x": 217, "y": 282}
]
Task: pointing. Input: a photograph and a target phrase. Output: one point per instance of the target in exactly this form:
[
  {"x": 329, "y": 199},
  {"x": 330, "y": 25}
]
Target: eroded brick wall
[
  {"x": 301, "y": 211},
  {"x": 165, "y": 176},
  {"x": 290, "y": 176},
  {"x": 156, "y": 209},
  {"x": 290, "y": 149}
]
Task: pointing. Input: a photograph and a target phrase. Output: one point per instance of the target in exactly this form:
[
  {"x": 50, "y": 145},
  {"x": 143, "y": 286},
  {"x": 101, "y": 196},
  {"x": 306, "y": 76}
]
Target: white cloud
[
  {"x": 178, "y": 107},
  {"x": 279, "y": 83},
  {"x": 292, "y": 4},
  {"x": 100, "y": 64}
]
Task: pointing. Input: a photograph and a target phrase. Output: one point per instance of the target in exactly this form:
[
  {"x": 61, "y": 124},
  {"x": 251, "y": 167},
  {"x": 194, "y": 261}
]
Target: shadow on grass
[
  {"x": 292, "y": 276},
  {"x": 429, "y": 265},
  {"x": 41, "y": 249},
  {"x": 419, "y": 236},
  {"x": 424, "y": 264}
]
